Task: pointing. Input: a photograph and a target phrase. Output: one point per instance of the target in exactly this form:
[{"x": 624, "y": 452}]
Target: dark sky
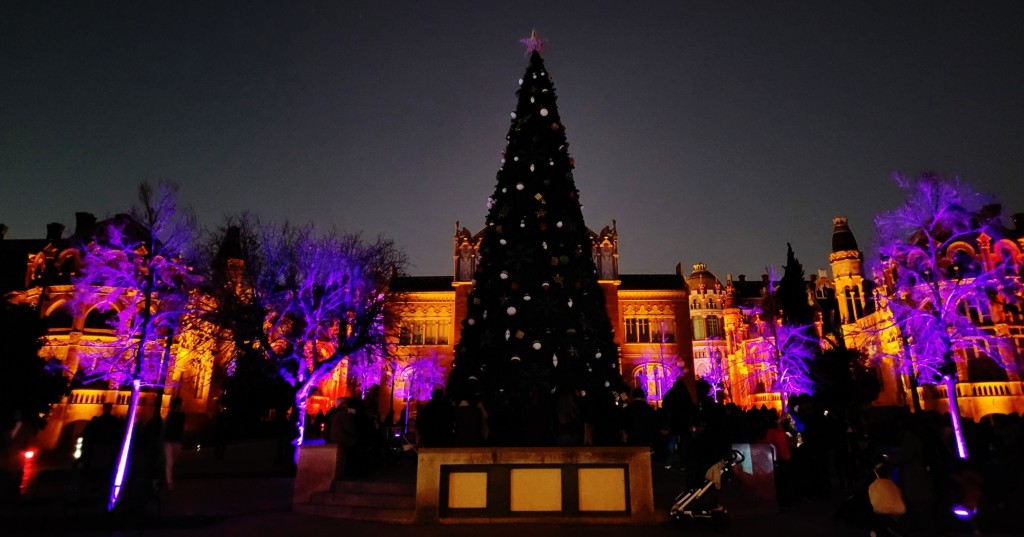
[{"x": 711, "y": 131}]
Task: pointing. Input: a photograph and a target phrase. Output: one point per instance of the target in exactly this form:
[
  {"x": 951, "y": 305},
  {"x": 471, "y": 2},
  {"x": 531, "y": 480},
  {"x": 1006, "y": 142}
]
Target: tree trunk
[
  {"x": 121, "y": 469},
  {"x": 301, "y": 396},
  {"x": 954, "y": 414}
]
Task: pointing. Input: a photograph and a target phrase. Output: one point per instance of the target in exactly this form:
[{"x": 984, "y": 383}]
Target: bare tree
[
  {"x": 305, "y": 301},
  {"x": 928, "y": 288},
  {"x": 138, "y": 266}
]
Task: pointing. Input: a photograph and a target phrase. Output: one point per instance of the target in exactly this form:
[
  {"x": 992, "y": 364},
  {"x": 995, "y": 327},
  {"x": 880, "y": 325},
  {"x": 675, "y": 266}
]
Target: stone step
[
  {"x": 378, "y": 501},
  {"x": 394, "y": 516},
  {"x": 374, "y": 487}
]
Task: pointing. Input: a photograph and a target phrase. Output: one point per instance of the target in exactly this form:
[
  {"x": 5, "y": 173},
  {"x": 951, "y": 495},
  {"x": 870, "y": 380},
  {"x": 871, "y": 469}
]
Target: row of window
[
  {"x": 709, "y": 327},
  {"x": 650, "y": 330},
  {"x": 428, "y": 332}
]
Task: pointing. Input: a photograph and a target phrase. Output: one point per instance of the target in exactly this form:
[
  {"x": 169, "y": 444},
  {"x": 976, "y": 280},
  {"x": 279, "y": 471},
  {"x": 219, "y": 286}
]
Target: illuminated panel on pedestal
[
  {"x": 602, "y": 489},
  {"x": 467, "y": 490},
  {"x": 537, "y": 489}
]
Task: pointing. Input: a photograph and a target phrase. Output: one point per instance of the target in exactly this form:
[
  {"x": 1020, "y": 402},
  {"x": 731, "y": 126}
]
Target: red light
[{"x": 30, "y": 454}]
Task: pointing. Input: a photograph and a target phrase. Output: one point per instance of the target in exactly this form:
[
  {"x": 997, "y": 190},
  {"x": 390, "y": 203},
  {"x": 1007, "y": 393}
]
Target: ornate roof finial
[{"x": 533, "y": 43}]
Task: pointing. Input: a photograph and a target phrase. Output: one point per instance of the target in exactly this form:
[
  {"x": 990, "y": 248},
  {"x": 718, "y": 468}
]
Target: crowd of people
[{"x": 818, "y": 451}]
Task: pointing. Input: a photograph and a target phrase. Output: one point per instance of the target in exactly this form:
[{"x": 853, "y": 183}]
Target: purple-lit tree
[
  {"x": 304, "y": 300},
  {"x": 928, "y": 288},
  {"x": 138, "y": 266},
  {"x": 788, "y": 346},
  {"x": 716, "y": 375}
]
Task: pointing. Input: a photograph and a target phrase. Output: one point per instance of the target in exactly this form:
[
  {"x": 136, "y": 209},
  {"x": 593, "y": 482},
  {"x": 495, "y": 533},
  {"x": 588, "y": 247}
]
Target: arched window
[
  {"x": 60, "y": 319},
  {"x": 100, "y": 320},
  {"x": 653, "y": 379}
]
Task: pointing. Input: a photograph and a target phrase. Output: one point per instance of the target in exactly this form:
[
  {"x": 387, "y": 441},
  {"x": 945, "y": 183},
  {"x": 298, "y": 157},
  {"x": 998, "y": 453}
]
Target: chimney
[
  {"x": 85, "y": 225},
  {"x": 54, "y": 231},
  {"x": 742, "y": 277}
]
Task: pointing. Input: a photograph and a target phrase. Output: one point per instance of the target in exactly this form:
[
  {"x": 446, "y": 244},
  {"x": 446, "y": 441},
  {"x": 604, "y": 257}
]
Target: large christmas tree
[{"x": 536, "y": 344}]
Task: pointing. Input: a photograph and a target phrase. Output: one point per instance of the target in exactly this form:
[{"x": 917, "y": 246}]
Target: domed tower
[
  {"x": 847, "y": 261},
  {"x": 707, "y": 302}
]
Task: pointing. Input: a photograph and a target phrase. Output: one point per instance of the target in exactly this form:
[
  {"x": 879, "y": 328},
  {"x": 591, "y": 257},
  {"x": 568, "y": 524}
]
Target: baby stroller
[{"x": 695, "y": 503}]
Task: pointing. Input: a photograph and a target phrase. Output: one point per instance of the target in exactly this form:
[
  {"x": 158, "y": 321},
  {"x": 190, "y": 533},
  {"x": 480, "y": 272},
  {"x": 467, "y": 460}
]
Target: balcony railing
[
  {"x": 87, "y": 396},
  {"x": 768, "y": 399},
  {"x": 975, "y": 389}
]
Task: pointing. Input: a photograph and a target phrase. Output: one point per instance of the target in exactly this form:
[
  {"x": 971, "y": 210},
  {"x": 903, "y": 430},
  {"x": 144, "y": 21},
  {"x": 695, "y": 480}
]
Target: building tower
[
  {"x": 536, "y": 327},
  {"x": 847, "y": 263}
]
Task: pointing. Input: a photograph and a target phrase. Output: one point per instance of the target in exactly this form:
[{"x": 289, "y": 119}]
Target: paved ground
[{"x": 249, "y": 494}]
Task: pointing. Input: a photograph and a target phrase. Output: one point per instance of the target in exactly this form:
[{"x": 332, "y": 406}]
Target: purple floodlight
[{"x": 122, "y": 459}]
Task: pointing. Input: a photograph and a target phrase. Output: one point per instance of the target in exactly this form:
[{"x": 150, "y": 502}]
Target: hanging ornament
[
  {"x": 515, "y": 358},
  {"x": 570, "y": 302},
  {"x": 551, "y": 162},
  {"x": 543, "y": 112},
  {"x": 535, "y": 76},
  {"x": 502, "y": 242},
  {"x": 526, "y": 297},
  {"x": 545, "y": 286},
  {"x": 515, "y": 158},
  {"x": 554, "y": 126},
  {"x": 532, "y": 167},
  {"x": 533, "y": 100},
  {"x": 490, "y": 203},
  {"x": 544, "y": 244},
  {"x": 471, "y": 321},
  {"x": 570, "y": 332},
  {"x": 520, "y": 186},
  {"x": 542, "y": 73},
  {"x": 503, "y": 275},
  {"x": 508, "y": 334},
  {"x": 484, "y": 315},
  {"x": 607, "y": 384},
  {"x": 558, "y": 224},
  {"x": 504, "y": 190},
  {"x": 513, "y": 115},
  {"x": 597, "y": 355},
  {"x": 520, "y": 334},
  {"x": 536, "y": 345},
  {"x": 511, "y": 310},
  {"x": 522, "y": 223},
  {"x": 554, "y": 360}
]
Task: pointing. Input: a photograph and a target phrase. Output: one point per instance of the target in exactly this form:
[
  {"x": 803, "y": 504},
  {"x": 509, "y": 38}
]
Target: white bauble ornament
[
  {"x": 520, "y": 186},
  {"x": 508, "y": 334},
  {"x": 597, "y": 355},
  {"x": 515, "y": 158},
  {"x": 558, "y": 224},
  {"x": 554, "y": 360},
  {"x": 520, "y": 82},
  {"x": 570, "y": 302},
  {"x": 543, "y": 112},
  {"x": 533, "y": 100},
  {"x": 471, "y": 321},
  {"x": 511, "y": 310},
  {"x": 503, "y": 242},
  {"x": 484, "y": 315},
  {"x": 526, "y": 298},
  {"x": 503, "y": 275},
  {"x": 515, "y": 358},
  {"x": 513, "y": 115},
  {"x": 536, "y": 345},
  {"x": 607, "y": 384},
  {"x": 504, "y": 190},
  {"x": 532, "y": 167},
  {"x": 544, "y": 244}
]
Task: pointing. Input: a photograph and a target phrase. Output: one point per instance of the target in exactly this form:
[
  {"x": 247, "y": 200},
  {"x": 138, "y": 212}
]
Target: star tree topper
[{"x": 534, "y": 43}]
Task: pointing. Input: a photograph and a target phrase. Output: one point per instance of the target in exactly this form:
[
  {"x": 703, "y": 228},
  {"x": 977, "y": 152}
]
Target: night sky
[{"x": 711, "y": 131}]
